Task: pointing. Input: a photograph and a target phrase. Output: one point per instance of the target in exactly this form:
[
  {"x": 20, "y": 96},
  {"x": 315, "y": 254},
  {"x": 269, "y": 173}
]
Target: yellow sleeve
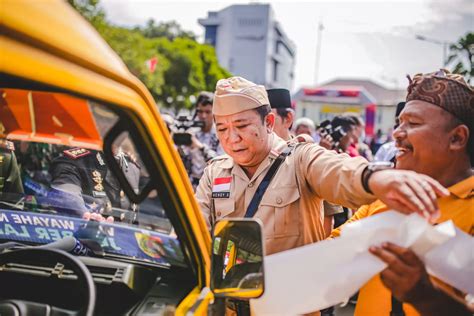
[{"x": 361, "y": 213}]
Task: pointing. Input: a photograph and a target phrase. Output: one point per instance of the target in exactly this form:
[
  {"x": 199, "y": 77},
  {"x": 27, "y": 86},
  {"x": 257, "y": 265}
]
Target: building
[
  {"x": 249, "y": 42},
  {"x": 375, "y": 103}
]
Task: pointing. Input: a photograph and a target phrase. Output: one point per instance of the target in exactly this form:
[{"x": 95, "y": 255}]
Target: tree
[
  {"x": 185, "y": 67},
  {"x": 192, "y": 68},
  {"x": 91, "y": 10},
  {"x": 461, "y": 56},
  {"x": 170, "y": 30},
  {"x": 134, "y": 49}
]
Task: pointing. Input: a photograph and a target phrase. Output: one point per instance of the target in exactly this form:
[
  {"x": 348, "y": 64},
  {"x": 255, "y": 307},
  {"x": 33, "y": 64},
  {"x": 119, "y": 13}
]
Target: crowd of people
[{"x": 325, "y": 175}]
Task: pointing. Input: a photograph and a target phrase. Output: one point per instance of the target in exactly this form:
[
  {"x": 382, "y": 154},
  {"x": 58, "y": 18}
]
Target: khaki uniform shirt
[{"x": 291, "y": 208}]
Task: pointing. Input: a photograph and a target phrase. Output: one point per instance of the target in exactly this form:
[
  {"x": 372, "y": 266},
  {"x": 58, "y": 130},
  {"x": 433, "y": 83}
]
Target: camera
[
  {"x": 326, "y": 128},
  {"x": 183, "y": 129}
]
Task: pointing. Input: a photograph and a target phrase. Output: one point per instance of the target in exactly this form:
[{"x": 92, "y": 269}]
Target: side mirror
[{"x": 237, "y": 259}]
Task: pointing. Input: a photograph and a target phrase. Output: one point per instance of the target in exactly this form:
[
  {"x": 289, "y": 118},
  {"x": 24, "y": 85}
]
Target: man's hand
[
  {"x": 195, "y": 143},
  {"x": 88, "y": 216},
  {"x": 408, "y": 281},
  {"x": 405, "y": 275},
  {"x": 408, "y": 191},
  {"x": 326, "y": 141}
]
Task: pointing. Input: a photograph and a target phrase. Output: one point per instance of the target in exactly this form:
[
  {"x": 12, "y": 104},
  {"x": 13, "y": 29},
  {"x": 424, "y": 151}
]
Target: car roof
[{"x": 82, "y": 44}]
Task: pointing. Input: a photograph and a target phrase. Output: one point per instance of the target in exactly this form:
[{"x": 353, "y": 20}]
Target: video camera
[
  {"x": 325, "y": 128},
  {"x": 182, "y": 129}
]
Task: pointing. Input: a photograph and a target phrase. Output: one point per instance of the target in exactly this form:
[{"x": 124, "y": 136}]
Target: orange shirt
[{"x": 374, "y": 298}]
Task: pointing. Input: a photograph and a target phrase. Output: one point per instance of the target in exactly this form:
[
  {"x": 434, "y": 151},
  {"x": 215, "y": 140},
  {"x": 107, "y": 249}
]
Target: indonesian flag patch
[{"x": 221, "y": 188}]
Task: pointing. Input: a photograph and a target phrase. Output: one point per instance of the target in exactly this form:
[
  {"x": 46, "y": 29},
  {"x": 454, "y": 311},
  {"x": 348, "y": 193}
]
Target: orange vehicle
[{"x": 97, "y": 215}]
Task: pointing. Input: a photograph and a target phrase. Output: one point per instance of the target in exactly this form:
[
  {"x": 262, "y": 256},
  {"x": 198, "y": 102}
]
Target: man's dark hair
[
  {"x": 346, "y": 122},
  {"x": 283, "y": 113},
  {"x": 263, "y": 111},
  {"x": 356, "y": 119},
  {"x": 205, "y": 98},
  {"x": 400, "y": 107}
]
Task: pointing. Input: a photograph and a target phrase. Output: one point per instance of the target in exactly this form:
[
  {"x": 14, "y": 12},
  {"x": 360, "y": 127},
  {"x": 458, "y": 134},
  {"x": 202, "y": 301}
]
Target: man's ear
[
  {"x": 459, "y": 138},
  {"x": 270, "y": 122}
]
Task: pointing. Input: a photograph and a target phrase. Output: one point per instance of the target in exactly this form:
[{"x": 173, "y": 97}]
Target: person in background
[
  {"x": 280, "y": 102},
  {"x": 207, "y": 135},
  {"x": 378, "y": 140},
  {"x": 91, "y": 186},
  {"x": 388, "y": 150},
  {"x": 347, "y": 126},
  {"x": 204, "y": 142},
  {"x": 435, "y": 138},
  {"x": 304, "y": 125},
  {"x": 358, "y": 147},
  {"x": 10, "y": 179}
]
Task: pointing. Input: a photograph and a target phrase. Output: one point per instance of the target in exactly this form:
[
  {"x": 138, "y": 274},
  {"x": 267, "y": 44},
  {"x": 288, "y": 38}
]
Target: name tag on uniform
[{"x": 221, "y": 188}]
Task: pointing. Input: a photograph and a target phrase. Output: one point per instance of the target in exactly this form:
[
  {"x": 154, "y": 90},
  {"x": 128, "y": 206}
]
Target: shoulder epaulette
[{"x": 75, "y": 153}]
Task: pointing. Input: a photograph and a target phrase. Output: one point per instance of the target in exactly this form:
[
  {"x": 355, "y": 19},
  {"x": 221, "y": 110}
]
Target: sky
[{"x": 369, "y": 39}]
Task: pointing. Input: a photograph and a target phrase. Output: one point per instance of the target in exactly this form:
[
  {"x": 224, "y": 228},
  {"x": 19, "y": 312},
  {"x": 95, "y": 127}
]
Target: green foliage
[
  {"x": 135, "y": 50},
  {"x": 184, "y": 67},
  {"x": 190, "y": 70},
  {"x": 170, "y": 30},
  {"x": 461, "y": 57},
  {"x": 91, "y": 10}
]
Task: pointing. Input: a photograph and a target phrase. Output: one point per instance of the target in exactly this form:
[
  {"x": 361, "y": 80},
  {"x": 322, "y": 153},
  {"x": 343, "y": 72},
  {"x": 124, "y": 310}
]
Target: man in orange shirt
[{"x": 435, "y": 137}]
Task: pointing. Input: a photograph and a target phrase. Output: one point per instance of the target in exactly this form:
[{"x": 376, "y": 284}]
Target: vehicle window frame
[
  {"x": 120, "y": 127},
  {"x": 158, "y": 183}
]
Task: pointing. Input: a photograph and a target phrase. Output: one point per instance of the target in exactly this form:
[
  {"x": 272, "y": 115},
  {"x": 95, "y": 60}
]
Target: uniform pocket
[
  {"x": 278, "y": 209},
  {"x": 223, "y": 207}
]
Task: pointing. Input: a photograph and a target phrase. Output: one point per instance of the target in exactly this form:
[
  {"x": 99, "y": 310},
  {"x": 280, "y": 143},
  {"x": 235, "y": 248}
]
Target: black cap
[{"x": 279, "y": 98}]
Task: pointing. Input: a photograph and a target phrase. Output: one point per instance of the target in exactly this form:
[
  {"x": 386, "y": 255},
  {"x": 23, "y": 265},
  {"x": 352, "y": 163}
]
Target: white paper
[
  {"x": 329, "y": 272},
  {"x": 453, "y": 262}
]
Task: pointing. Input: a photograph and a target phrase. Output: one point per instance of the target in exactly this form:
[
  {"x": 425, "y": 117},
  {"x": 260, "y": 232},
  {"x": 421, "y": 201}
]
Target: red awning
[
  {"x": 332, "y": 92},
  {"x": 47, "y": 117}
]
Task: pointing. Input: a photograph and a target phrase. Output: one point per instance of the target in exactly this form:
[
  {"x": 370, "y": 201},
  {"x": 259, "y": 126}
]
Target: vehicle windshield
[{"x": 55, "y": 181}]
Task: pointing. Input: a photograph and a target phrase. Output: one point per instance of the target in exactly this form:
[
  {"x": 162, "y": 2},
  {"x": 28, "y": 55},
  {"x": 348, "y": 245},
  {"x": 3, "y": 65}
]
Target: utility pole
[
  {"x": 444, "y": 44},
  {"x": 318, "y": 51}
]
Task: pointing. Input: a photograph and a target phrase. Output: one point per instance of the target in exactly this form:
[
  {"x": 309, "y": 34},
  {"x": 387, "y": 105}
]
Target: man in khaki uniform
[
  {"x": 280, "y": 102},
  {"x": 291, "y": 206}
]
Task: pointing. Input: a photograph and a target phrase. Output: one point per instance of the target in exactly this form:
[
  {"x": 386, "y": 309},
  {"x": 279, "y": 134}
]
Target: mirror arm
[{"x": 200, "y": 299}]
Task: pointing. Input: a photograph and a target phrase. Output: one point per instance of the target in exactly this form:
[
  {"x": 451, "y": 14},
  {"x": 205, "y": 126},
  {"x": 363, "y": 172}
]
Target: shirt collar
[{"x": 463, "y": 189}]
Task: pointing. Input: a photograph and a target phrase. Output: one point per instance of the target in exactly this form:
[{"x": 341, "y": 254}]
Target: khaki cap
[{"x": 236, "y": 94}]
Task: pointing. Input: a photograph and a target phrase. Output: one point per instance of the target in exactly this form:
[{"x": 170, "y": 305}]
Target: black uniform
[
  {"x": 84, "y": 172},
  {"x": 10, "y": 180}
]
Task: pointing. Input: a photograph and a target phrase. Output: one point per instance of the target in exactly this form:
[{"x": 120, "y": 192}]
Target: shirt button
[
  {"x": 279, "y": 200},
  {"x": 219, "y": 213},
  {"x": 250, "y": 184}
]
